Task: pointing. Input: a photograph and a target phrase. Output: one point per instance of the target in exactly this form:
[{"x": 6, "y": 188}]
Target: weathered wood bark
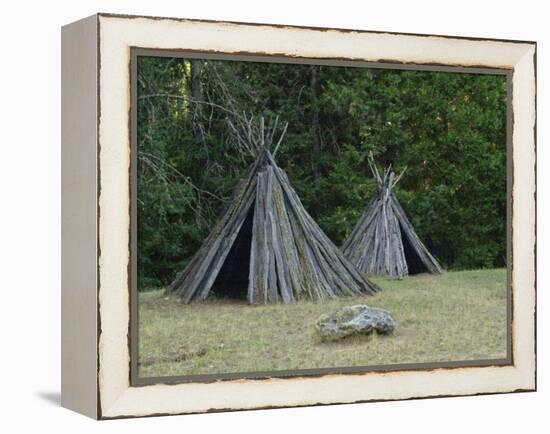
[
  {"x": 383, "y": 240},
  {"x": 290, "y": 256}
]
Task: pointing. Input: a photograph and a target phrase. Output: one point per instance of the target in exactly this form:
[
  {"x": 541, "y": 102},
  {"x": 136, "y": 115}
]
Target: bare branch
[
  {"x": 280, "y": 139},
  {"x": 374, "y": 169},
  {"x": 399, "y": 177},
  {"x": 186, "y": 179}
]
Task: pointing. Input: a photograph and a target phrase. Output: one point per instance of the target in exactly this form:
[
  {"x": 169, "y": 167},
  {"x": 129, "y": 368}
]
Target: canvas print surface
[{"x": 296, "y": 216}]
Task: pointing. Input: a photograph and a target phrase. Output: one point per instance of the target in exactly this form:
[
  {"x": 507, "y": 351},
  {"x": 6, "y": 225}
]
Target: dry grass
[{"x": 456, "y": 316}]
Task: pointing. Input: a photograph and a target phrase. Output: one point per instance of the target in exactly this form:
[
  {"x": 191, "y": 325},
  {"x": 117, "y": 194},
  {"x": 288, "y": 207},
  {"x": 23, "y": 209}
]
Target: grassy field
[{"x": 455, "y": 316}]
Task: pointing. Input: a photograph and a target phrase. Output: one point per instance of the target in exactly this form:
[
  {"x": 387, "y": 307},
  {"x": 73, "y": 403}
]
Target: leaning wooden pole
[
  {"x": 290, "y": 256},
  {"x": 384, "y": 241}
]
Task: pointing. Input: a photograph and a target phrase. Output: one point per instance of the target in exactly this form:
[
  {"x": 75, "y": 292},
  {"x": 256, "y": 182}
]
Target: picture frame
[{"x": 98, "y": 273}]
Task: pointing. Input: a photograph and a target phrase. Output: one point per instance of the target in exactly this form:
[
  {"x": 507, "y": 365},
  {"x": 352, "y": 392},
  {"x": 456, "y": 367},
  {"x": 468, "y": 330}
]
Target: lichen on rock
[{"x": 354, "y": 320}]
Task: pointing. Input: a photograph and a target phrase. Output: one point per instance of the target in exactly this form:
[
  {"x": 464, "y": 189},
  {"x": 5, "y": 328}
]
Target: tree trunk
[
  {"x": 198, "y": 99},
  {"x": 314, "y": 72}
]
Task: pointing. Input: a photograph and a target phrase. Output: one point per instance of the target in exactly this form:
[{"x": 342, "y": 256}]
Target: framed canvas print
[{"x": 262, "y": 216}]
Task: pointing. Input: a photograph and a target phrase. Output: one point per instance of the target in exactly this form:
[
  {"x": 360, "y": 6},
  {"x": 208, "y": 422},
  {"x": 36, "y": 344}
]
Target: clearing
[{"x": 455, "y": 316}]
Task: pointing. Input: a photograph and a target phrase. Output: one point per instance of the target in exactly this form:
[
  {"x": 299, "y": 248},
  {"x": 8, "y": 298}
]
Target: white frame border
[{"x": 116, "y": 35}]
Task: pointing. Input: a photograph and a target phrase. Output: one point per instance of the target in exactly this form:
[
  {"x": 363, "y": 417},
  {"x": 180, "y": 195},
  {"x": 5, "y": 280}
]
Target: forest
[{"x": 447, "y": 128}]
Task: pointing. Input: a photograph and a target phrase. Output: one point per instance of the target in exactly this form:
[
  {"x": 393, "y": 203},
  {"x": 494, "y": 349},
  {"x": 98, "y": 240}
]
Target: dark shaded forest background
[{"x": 449, "y": 129}]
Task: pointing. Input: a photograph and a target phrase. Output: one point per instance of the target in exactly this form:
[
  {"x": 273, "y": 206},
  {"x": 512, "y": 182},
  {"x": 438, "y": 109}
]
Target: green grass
[{"x": 455, "y": 316}]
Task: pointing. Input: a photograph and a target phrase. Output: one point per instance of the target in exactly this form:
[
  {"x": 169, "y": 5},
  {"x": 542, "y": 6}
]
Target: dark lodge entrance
[
  {"x": 232, "y": 280},
  {"x": 414, "y": 263}
]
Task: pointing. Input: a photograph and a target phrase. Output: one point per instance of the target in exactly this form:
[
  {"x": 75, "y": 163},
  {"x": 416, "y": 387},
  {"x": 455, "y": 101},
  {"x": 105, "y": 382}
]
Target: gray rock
[{"x": 354, "y": 320}]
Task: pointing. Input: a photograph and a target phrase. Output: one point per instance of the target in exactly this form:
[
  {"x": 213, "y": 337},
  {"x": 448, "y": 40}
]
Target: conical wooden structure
[
  {"x": 266, "y": 247},
  {"x": 384, "y": 240}
]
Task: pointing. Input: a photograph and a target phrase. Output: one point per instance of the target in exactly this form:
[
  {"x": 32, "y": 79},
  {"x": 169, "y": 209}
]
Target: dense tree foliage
[{"x": 448, "y": 129}]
